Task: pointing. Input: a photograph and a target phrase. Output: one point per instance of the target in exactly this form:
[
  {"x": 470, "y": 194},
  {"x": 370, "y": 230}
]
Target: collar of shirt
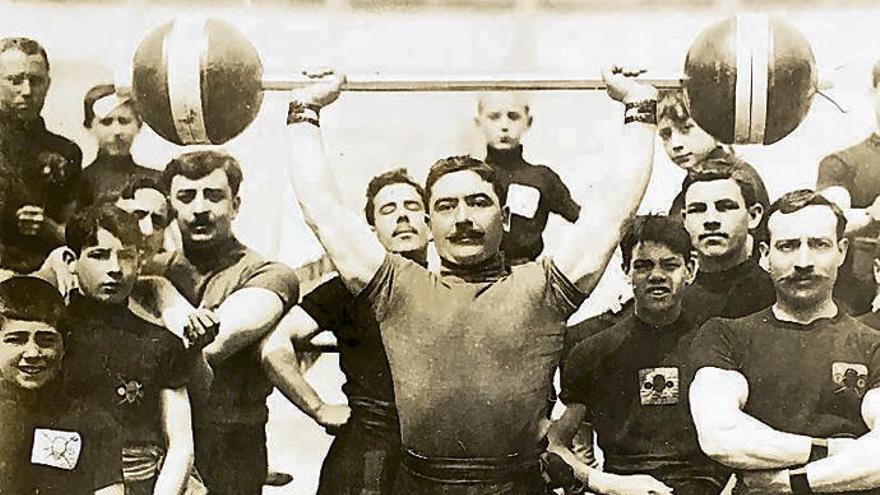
[
  {"x": 511, "y": 158},
  {"x": 490, "y": 270}
]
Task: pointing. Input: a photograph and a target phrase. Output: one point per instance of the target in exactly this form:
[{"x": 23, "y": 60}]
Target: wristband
[
  {"x": 644, "y": 111},
  {"x": 818, "y": 449},
  {"x": 800, "y": 485},
  {"x": 298, "y": 112}
]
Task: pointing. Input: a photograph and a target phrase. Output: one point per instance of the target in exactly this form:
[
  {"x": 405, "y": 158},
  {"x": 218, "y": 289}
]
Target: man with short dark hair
[
  {"x": 365, "y": 454},
  {"x": 113, "y": 120},
  {"x": 790, "y": 396},
  {"x": 40, "y": 170},
  {"x": 239, "y": 296},
  {"x": 720, "y": 212},
  {"x": 143, "y": 197},
  {"x": 135, "y": 370},
  {"x": 50, "y": 442},
  {"x": 533, "y": 191},
  {"x": 472, "y": 349},
  {"x": 631, "y": 381}
]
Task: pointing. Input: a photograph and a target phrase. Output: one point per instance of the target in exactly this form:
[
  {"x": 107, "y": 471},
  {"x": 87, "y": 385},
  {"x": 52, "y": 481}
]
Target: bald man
[{"x": 533, "y": 191}]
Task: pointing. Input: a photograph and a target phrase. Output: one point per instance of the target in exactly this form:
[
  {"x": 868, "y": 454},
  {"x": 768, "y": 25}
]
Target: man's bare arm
[
  {"x": 179, "y": 455},
  {"x": 856, "y": 467},
  {"x": 115, "y": 489},
  {"x": 281, "y": 365},
  {"x": 345, "y": 235},
  {"x": 732, "y": 437},
  {"x": 595, "y": 235},
  {"x": 560, "y": 440}
]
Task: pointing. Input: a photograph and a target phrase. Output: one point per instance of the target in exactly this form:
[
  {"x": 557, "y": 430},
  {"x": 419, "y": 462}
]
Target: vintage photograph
[{"x": 439, "y": 247}]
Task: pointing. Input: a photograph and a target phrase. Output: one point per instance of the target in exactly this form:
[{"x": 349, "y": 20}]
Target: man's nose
[
  {"x": 199, "y": 204},
  {"x": 31, "y": 350},
  {"x": 803, "y": 258},
  {"x": 24, "y": 89},
  {"x": 711, "y": 225}
]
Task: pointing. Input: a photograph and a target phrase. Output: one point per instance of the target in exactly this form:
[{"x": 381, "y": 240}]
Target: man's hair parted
[{"x": 799, "y": 199}]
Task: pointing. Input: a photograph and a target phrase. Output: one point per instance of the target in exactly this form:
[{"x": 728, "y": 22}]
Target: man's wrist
[
  {"x": 642, "y": 111},
  {"x": 300, "y": 112}
]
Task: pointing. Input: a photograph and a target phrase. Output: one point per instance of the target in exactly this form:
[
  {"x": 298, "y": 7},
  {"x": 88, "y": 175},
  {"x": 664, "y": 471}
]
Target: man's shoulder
[
  {"x": 56, "y": 142},
  {"x": 853, "y": 155}
]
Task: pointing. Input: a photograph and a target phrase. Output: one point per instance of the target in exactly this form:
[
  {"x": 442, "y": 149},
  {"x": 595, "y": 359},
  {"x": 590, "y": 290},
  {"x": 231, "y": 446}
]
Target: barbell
[{"x": 749, "y": 78}]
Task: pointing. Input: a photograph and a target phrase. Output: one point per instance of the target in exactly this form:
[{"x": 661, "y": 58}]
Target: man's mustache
[{"x": 461, "y": 234}]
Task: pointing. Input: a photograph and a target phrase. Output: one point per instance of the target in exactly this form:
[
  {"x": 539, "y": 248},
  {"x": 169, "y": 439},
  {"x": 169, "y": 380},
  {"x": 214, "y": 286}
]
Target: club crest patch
[
  {"x": 56, "y": 448},
  {"x": 849, "y": 377},
  {"x": 129, "y": 391},
  {"x": 523, "y": 200},
  {"x": 658, "y": 386}
]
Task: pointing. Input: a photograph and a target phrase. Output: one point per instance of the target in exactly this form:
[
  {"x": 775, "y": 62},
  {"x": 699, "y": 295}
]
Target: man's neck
[
  {"x": 806, "y": 315},
  {"x": 509, "y": 156},
  {"x": 716, "y": 264},
  {"x": 420, "y": 256},
  {"x": 658, "y": 318}
]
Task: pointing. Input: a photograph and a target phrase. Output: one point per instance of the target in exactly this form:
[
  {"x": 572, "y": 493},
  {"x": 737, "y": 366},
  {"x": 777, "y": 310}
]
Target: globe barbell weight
[{"x": 201, "y": 81}]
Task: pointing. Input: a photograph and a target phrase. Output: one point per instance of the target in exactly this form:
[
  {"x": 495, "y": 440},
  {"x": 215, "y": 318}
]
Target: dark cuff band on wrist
[
  {"x": 298, "y": 112},
  {"x": 800, "y": 485},
  {"x": 644, "y": 111},
  {"x": 818, "y": 449}
]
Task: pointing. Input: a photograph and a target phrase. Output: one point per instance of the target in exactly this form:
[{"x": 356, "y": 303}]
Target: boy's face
[
  {"x": 30, "y": 353},
  {"x": 115, "y": 131},
  {"x": 503, "y": 119},
  {"x": 686, "y": 144},
  {"x": 107, "y": 271},
  {"x": 658, "y": 276}
]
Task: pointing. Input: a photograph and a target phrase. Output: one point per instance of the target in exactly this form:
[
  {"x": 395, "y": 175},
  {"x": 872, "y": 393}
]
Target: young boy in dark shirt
[{"x": 50, "y": 443}]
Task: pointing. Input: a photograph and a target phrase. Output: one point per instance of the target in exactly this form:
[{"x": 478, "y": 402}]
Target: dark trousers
[
  {"x": 232, "y": 459},
  {"x": 361, "y": 461}
]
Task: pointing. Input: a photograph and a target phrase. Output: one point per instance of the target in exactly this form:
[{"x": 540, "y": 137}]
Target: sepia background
[{"x": 576, "y": 133}]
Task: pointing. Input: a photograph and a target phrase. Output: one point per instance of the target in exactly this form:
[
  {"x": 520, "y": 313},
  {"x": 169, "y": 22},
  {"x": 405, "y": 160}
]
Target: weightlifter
[
  {"x": 533, "y": 191},
  {"x": 631, "y": 381},
  {"x": 789, "y": 395},
  {"x": 472, "y": 349},
  {"x": 365, "y": 454},
  {"x": 40, "y": 169}
]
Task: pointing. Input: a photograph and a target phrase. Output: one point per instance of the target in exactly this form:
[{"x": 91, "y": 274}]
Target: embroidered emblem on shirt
[
  {"x": 658, "y": 386},
  {"x": 523, "y": 200},
  {"x": 849, "y": 377},
  {"x": 129, "y": 391},
  {"x": 56, "y": 448}
]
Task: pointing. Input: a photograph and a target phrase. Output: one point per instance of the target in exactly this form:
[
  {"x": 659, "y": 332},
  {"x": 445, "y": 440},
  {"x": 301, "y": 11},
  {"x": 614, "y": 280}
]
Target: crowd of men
[{"x": 140, "y": 339}]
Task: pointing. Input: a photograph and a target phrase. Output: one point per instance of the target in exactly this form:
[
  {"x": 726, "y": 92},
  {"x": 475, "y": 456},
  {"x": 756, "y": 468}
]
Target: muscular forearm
[
  {"x": 746, "y": 443},
  {"x": 175, "y": 471},
  {"x": 282, "y": 367},
  {"x": 857, "y": 467},
  {"x": 179, "y": 454},
  {"x": 246, "y": 317}
]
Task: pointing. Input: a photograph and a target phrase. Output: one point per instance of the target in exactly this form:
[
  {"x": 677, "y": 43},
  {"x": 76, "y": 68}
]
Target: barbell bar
[{"x": 435, "y": 84}]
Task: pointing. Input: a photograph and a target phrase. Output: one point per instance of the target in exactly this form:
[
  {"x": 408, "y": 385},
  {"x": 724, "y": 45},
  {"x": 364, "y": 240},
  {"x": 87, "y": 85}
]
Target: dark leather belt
[
  {"x": 374, "y": 414},
  {"x": 469, "y": 470}
]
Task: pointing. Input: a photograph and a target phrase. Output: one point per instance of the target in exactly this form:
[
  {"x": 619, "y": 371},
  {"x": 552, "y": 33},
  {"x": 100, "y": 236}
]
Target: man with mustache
[
  {"x": 365, "y": 454},
  {"x": 231, "y": 293},
  {"x": 533, "y": 191},
  {"x": 40, "y": 169},
  {"x": 472, "y": 349},
  {"x": 631, "y": 381},
  {"x": 720, "y": 211},
  {"x": 790, "y": 396}
]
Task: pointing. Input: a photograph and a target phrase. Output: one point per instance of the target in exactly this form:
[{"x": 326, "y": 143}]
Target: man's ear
[
  {"x": 692, "y": 266},
  {"x": 530, "y": 120},
  {"x": 505, "y": 218},
  {"x": 843, "y": 246},
  {"x": 876, "y": 266},
  {"x": 236, "y": 204},
  {"x": 764, "y": 260},
  {"x": 756, "y": 213}
]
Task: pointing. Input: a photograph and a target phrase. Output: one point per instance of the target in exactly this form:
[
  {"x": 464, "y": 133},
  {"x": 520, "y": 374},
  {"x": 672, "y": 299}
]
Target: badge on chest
[
  {"x": 849, "y": 378},
  {"x": 56, "y": 448},
  {"x": 523, "y": 200},
  {"x": 658, "y": 386},
  {"x": 129, "y": 391}
]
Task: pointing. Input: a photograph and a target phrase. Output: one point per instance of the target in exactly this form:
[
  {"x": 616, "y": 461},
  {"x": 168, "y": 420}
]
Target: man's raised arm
[
  {"x": 346, "y": 237},
  {"x": 595, "y": 235}
]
